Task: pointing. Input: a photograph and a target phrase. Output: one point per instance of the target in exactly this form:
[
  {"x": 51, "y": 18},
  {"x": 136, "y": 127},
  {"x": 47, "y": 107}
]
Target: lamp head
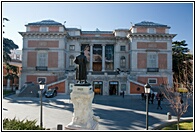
[
  {"x": 147, "y": 88},
  {"x": 41, "y": 85}
]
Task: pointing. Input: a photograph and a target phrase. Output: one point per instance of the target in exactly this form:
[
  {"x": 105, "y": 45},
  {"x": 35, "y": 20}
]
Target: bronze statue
[{"x": 81, "y": 72}]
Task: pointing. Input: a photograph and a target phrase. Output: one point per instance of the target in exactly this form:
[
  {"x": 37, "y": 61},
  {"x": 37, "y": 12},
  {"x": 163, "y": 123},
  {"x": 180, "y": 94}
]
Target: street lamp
[
  {"x": 41, "y": 86},
  {"x": 147, "y": 91}
]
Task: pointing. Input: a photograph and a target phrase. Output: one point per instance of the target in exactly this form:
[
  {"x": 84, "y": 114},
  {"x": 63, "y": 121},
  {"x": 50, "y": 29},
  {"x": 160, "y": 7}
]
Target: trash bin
[{"x": 168, "y": 116}]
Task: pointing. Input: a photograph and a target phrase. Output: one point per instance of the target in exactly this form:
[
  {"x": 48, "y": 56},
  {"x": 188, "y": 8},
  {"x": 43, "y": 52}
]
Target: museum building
[{"x": 119, "y": 60}]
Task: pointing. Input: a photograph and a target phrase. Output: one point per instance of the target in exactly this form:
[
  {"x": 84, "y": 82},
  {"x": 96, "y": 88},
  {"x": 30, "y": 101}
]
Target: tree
[
  {"x": 183, "y": 75},
  {"x": 9, "y": 45},
  {"x": 178, "y": 101},
  {"x": 181, "y": 62}
]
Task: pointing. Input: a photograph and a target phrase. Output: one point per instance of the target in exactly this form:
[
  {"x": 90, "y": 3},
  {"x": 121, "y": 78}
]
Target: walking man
[
  {"x": 159, "y": 103},
  {"x": 152, "y": 96}
]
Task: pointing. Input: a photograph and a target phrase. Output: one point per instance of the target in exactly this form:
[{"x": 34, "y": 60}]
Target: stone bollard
[
  {"x": 169, "y": 116},
  {"x": 17, "y": 92}
]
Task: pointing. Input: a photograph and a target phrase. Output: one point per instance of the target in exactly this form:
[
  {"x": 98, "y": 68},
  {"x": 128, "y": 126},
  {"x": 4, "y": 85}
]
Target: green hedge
[{"x": 14, "y": 124}]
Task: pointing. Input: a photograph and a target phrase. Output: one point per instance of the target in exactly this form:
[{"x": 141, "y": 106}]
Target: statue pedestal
[{"x": 83, "y": 118}]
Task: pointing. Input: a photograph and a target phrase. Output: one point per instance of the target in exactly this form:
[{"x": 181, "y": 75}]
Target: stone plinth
[{"x": 83, "y": 117}]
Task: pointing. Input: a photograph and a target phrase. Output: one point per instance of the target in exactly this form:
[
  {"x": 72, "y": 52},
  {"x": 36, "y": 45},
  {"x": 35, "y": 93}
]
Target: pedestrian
[
  {"x": 152, "y": 97},
  {"x": 149, "y": 97},
  {"x": 145, "y": 98},
  {"x": 123, "y": 93},
  {"x": 159, "y": 103},
  {"x": 142, "y": 95},
  {"x": 157, "y": 96},
  {"x": 161, "y": 96}
]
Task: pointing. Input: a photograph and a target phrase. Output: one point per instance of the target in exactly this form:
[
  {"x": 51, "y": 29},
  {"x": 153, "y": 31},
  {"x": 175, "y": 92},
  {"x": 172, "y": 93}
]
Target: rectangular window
[
  {"x": 122, "y": 62},
  {"x": 41, "y": 79},
  {"x": 152, "y": 81},
  {"x": 122, "y": 48},
  {"x": 18, "y": 57},
  {"x": 151, "y": 30},
  {"x": 42, "y": 59},
  {"x": 71, "y": 47},
  {"x": 71, "y": 61},
  {"x": 43, "y": 29},
  {"x": 109, "y": 57},
  {"x": 152, "y": 60}
]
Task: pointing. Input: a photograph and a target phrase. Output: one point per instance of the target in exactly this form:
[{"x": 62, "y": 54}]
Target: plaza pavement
[{"x": 115, "y": 112}]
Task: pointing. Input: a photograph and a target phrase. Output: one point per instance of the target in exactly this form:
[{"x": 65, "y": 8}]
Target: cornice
[
  {"x": 139, "y": 35},
  {"x": 43, "y": 34}
]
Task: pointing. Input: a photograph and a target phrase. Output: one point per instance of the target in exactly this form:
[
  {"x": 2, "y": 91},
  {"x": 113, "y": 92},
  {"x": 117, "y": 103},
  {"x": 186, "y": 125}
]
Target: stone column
[
  {"x": 91, "y": 57},
  {"x": 103, "y": 57}
]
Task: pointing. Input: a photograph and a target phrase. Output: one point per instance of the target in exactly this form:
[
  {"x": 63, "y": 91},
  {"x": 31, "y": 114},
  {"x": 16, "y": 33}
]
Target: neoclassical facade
[{"x": 119, "y": 60}]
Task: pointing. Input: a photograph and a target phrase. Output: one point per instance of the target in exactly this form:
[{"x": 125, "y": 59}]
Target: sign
[{"x": 80, "y": 89}]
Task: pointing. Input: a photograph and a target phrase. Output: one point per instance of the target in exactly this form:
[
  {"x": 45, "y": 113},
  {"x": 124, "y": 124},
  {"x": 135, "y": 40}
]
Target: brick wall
[
  {"x": 136, "y": 89},
  {"x": 61, "y": 87},
  {"x": 52, "y": 59},
  {"x": 160, "y": 80},
  {"x": 43, "y": 44},
  {"x": 141, "y": 30},
  {"x": 153, "y": 45},
  {"x": 33, "y": 78},
  {"x": 54, "y": 29},
  {"x": 141, "y": 60},
  {"x": 144, "y": 30},
  {"x": 160, "y": 30},
  {"x": 31, "y": 59},
  {"x": 162, "y": 61},
  {"x": 34, "y": 28},
  {"x": 51, "y": 28}
]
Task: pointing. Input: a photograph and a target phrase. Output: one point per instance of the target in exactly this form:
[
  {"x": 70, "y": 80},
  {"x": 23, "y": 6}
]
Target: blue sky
[{"x": 104, "y": 16}]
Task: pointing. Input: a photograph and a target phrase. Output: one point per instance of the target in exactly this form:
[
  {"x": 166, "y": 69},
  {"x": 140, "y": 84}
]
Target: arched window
[
  {"x": 122, "y": 62},
  {"x": 71, "y": 60}
]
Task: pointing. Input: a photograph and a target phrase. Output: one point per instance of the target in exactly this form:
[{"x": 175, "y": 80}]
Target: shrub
[{"x": 14, "y": 124}]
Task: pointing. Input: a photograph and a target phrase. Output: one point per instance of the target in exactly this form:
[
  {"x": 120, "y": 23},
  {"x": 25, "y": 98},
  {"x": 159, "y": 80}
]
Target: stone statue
[{"x": 81, "y": 72}]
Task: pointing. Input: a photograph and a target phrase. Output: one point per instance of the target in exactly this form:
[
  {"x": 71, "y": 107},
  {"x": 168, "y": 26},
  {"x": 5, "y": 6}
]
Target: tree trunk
[{"x": 178, "y": 123}]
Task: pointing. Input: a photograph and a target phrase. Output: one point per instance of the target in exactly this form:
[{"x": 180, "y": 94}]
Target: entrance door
[
  {"x": 113, "y": 88},
  {"x": 98, "y": 87}
]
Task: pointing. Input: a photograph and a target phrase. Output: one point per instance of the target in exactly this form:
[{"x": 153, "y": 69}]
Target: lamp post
[
  {"x": 147, "y": 91},
  {"x": 41, "y": 86}
]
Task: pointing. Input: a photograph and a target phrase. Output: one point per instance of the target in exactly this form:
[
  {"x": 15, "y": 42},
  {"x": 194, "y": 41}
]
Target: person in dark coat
[
  {"x": 142, "y": 95},
  {"x": 159, "y": 103},
  {"x": 149, "y": 97},
  {"x": 81, "y": 72},
  {"x": 123, "y": 93},
  {"x": 152, "y": 97}
]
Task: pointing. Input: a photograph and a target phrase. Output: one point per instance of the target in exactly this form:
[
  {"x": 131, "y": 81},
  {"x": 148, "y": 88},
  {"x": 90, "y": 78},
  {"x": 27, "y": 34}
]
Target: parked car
[{"x": 51, "y": 93}]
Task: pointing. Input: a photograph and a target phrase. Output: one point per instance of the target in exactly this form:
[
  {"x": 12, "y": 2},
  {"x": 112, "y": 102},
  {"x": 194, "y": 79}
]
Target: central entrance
[{"x": 113, "y": 88}]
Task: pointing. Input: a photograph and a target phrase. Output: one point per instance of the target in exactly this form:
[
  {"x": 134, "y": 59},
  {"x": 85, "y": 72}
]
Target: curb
[{"x": 173, "y": 121}]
